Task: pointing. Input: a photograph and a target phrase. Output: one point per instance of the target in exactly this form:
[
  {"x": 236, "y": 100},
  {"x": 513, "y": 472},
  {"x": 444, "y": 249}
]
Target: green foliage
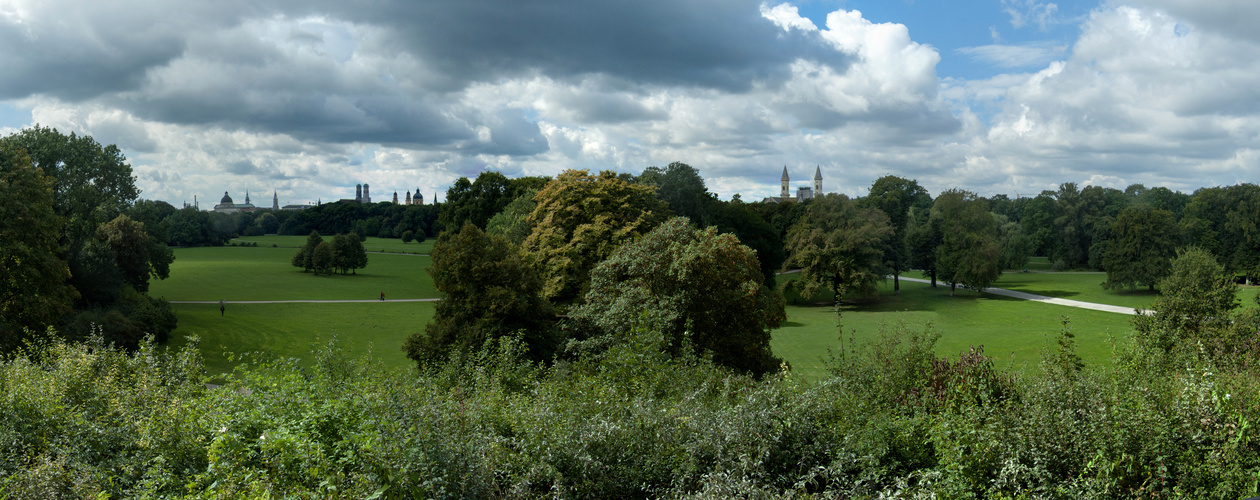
[
  {"x": 895, "y": 197},
  {"x": 513, "y": 222},
  {"x": 408, "y": 236},
  {"x": 702, "y": 290},
  {"x": 1141, "y": 245},
  {"x": 839, "y": 247},
  {"x": 489, "y": 291},
  {"x": 322, "y": 258},
  {"x": 304, "y": 258},
  {"x": 1016, "y": 246},
  {"x": 1197, "y": 304},
  {"x": 968, "y": 253},
  {"x": 580, "y": 220},
  {"x": 33, "y": 290},
  {"x": 475, "y": 201},
  {"x": 348, "y": 253}
]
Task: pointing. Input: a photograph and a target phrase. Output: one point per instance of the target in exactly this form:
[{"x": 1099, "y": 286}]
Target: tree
[
  {"x": 33, "y": 290},
  {"x": 969, "y": 253},
  {"x": 1197, "y": 301},
  {"x": 839, "y": 246},
  {"x": 191, "y": 227},
  {"x": 489, "y": 290},
  {"x": 702, "y": 289},
  {"x": 735, "y": 217},
  {"x": 92, "y": 183},
  {"x": 476, "y": 201},
  {"x": 895, "y": 197},
  {"x": 408, "y": 236},
  {"x": 923, "y": 235},
  {"x": 348, "y": 253},
  {"x": 322, "y": 258},
  {"x": 92, "y": 186},
  {"x": 305, "y": 255},
  {"x": 268, "y": 223},
  {"x": 1014, "y": 243},
  {"x": 133, "y": 249},
  {"x": 681, "y": 186},
  {"x": 579, "y": 221},
  {"x": 1139, "y": 250},
  {"x": 513, "y": 222}
]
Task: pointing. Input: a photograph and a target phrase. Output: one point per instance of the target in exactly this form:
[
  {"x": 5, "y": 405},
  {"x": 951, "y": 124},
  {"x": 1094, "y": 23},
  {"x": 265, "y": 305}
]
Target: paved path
[
  {"x": 298, "y": 301},
  {"x": 1052, "y": 300}
]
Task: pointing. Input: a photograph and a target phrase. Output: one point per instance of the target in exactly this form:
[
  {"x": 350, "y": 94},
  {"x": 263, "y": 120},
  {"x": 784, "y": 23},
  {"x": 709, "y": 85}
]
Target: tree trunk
[
  {"x": 896, "y": 284},
  {"x": 952, "y": 286}
]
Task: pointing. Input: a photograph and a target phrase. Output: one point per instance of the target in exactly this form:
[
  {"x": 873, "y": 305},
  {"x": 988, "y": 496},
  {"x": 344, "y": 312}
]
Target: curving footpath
[{"x": 1054, "y": 300}]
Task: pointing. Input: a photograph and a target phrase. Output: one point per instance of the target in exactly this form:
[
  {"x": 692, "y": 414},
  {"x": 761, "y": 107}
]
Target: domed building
[{"x": 226, "y": 206}]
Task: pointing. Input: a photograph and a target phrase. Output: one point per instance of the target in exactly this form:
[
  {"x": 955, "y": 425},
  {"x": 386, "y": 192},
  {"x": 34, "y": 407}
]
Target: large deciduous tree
[
  {"x": 702, "y": 289},
  {"x": 33, "y": 290},
  {"x": 969, "y": 253},
  {"x": 895, "y": 197},
  {"x": 580, "y": 220},
  {"x": 839, "y": 246},
  {"x": 489, "y": 290},
  {"x": 110, "y": 258},
  {"x": 1139, "y": 247}
]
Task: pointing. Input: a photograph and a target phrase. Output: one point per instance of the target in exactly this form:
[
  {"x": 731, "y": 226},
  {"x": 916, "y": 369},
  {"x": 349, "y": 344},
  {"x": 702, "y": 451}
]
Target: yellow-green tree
[{"x": 581, "y": 219}]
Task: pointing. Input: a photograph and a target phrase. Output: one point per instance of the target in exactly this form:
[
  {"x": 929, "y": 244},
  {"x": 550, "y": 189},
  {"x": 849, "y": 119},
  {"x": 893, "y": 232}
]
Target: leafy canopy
[
  {"x": 701, "y": 289},
  {"x": 840, "y": 246}
]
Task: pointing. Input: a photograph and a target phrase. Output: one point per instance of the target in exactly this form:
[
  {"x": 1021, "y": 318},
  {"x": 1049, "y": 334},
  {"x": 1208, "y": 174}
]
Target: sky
[{"x": 308, "y": 98}]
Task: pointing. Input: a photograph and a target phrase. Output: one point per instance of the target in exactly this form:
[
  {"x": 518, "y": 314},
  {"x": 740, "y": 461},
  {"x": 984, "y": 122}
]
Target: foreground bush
[{"x": 85, "y": 420}]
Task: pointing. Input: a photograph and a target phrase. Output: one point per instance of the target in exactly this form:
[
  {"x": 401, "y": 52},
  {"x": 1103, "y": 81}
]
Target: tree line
[{"x": 560, "y": 261}]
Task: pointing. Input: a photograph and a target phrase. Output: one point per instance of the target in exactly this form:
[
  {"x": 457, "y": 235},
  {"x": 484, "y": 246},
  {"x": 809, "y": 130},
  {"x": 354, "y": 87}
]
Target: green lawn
[
  {"x": 264, "y": 273},
  {"x": 290, "y": 330},
  {"x": 1012, "y": 331},
  {"x": 372, "y": 244},
  {"x": 287, "y": 330}
]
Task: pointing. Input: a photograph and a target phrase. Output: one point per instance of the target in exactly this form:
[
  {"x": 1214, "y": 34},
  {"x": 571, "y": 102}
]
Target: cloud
[
  {"x": 1023, "y": 12},
  {"x": 1016, "y": 56}
]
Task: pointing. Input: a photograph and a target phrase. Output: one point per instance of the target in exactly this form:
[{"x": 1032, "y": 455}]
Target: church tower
[
  {"x": 275, "y": 201},
  {"x": 817, "y": 181},
  {"x": 785, "y": 192},
  {"x": 358, "y": 193},
  {"x": 367, "y": 196},
  {"x": 408, "y": 197},
  {"x": 395, "y": 197}
]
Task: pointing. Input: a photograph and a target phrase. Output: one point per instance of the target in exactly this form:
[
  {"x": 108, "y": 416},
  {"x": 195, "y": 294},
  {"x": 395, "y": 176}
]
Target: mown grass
[
  {"x": 1012, "y": 331},
  {"x": 265, "y": 273},
  {"x": 292, "y": 330},
  {"x": 371, "y": 244}
]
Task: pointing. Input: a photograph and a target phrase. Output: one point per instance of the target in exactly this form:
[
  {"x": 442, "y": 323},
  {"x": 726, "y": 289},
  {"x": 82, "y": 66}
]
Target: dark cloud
[{"x": 710, "y": 43}]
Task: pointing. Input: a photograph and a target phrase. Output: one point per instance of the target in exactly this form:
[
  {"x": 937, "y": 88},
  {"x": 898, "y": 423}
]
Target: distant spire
[
  {"x": 246, "y": 196},
  {"x": 275, "y": 201},
  {"x": 785, "y": 175},
  {"x": 817, "y": 173}
]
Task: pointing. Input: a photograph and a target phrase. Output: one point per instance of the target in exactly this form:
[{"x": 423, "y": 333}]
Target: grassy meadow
[
  {"x": 1012, "y": 331},
  {"x": 371, "y": 244}
]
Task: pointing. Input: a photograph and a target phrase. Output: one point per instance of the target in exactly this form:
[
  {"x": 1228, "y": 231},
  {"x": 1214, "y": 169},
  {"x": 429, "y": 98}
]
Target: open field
[
  {"x": 371, "y": 244},
  {"x": 264, "y": 273},
  {"x": 289, "y": 330},
  {"x": 1012, "y": 331}
]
